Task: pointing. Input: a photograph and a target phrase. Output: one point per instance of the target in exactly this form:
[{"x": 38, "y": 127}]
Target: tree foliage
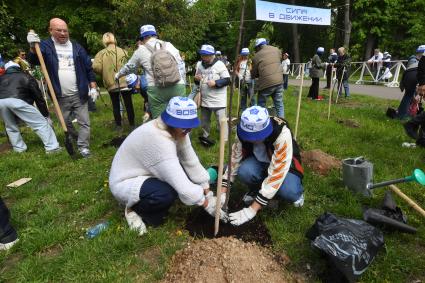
[{"x": 392, "y": 25}]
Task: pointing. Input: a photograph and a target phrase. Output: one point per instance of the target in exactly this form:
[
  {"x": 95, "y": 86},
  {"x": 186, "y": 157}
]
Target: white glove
[
  {"x": 242, "y": 216},
  {"x": 146, "y": 117},
  {"x": 49, "y": 121},
  {"x": 222, "y": 199},
  {"x": 94, "y": 94},
  {"x": 117, "y": 76},
  {"x": 212, "y": 200},
  {"x": 32, "y": 38}
]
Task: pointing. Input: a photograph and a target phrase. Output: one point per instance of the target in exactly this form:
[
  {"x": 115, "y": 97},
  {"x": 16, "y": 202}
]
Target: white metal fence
[{"x": 367, "y": 73}]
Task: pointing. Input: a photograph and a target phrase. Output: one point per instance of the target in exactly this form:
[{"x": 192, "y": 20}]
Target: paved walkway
[{"x": 370, "y": 90}]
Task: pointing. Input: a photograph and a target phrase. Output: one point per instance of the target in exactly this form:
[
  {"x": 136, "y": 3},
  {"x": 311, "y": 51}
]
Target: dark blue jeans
[
  {"x": 7, "y": 233},
  {"x": 253, "y": 172},
  {"x": 156, "y": 198},
  {"x": 403, "y": 108}
]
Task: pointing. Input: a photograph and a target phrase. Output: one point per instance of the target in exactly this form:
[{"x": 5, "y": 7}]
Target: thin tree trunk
[
  {"x": 295, "y": 42},
  {"x": 347, "y": 24}
]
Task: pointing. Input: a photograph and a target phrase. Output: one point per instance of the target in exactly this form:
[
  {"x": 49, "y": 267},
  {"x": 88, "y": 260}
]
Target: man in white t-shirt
[
  {"x": 213, "y": 78},
  {"x": 285, "y": 67},
  {"x": 70, "y": 71}
]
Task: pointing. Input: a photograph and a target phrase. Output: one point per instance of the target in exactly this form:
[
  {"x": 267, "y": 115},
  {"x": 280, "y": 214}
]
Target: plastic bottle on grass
[{"x": 96, "y": 230}]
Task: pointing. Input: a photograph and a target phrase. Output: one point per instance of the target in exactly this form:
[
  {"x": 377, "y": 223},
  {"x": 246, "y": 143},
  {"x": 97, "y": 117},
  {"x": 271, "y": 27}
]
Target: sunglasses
[{"x": 186, "y": 131}]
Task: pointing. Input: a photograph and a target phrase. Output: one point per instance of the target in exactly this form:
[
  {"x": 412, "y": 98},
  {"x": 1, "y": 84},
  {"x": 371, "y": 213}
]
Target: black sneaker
[
  {"x": 411, "y": 130},
  {"x": 206, "y": 141}
]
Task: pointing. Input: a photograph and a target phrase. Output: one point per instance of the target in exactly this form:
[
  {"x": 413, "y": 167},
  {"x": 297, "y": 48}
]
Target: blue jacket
[{"x": 82, "y": 62}]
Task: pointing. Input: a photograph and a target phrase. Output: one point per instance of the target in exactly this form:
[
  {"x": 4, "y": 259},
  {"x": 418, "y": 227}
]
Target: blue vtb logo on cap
[
  {"x": 187, "y": 112},
  {"x": 247, "y": 126}
]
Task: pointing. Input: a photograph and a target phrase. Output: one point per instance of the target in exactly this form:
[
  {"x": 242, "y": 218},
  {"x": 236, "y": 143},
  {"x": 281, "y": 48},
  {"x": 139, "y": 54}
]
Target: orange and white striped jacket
[{"x": 279, "y": 166}]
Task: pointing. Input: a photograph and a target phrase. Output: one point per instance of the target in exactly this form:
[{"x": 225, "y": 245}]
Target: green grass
[{"x": 65, "y": 197}]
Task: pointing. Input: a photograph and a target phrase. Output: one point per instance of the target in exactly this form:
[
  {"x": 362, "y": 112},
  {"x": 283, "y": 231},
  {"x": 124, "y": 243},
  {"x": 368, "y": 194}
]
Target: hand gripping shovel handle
[{"x": 68, "y": 142}]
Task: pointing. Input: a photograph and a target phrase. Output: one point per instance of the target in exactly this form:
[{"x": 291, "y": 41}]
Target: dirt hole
[{"x": 201, "y": 225}]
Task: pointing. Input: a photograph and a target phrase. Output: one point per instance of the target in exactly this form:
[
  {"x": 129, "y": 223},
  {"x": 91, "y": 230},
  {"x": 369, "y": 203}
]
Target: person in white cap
[
  {"x": 138, "y": 84},
  {"x": 165, "y": 80},
  {"x": 243, "y": 71},
  {"x": 213, "y": 79},
  {"x": 316, "y": 72},
  {"x": 266, "y": 159},
  {"x": 375, "y": 62},
  {"x": 18, "y": 92},
  {"x": 106, "y": 63},
  {"x": 266, "y": 66},
  {"x": 156, "y": 164},
  {"x": 409, "y": 82}
]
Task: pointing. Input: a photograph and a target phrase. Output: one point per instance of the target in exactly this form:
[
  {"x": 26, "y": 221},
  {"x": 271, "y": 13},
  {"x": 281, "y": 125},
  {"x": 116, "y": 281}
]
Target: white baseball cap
[
  {"x": 260, "y": 41},
  {"x": 255, "y": 124},
  {"x": 131, "y": 80},
  {"x": 320, "y": 50},
  {"x": 181, "y": 112},
  {"x": 147, "y": 30},
  {"x": 207, "y": 49},
  {"x": 11, "y": 64},
  {"x": 244, "y": 51},
  {"x": 218, "y": 52},
  {"x": 420, "y": 49}
]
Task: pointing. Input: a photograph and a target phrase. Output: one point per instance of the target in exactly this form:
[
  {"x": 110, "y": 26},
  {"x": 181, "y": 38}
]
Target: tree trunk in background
[
  {"x": 370, "y": 43},
  {"x": 295, "y": 42},
  {"x": 347, "y": 24}
]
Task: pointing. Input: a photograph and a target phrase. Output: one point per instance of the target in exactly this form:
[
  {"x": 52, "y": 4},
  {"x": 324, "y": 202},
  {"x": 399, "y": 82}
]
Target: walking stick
[
  {"x": 232, "y": 88},
  {"x": 239, "y": 98},
  {"x": 220, "y": 174},
  {"x": 330, "y": 92},
  {"x": 297, "y": 120},
  {"x": 339, "y": 87},
  {"x": 68, "y": 142}
]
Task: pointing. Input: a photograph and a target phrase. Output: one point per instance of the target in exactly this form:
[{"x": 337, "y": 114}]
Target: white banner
[{"x": 275, "y": 12}]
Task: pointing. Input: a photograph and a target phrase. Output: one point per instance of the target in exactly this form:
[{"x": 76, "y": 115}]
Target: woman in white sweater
[{"x": 156, "y": 164}]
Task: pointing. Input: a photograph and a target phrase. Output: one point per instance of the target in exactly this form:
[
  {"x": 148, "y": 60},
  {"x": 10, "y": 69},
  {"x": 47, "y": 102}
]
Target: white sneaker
[
  {"x": 135, "y": 222},
  {"x": 85, "y": 152},
  {"x": 299, "y": 202},
  {"x": 5, "y": 247}
]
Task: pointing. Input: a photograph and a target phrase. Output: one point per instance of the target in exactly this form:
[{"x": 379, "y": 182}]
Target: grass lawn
[{"x": 65, "y": 197}]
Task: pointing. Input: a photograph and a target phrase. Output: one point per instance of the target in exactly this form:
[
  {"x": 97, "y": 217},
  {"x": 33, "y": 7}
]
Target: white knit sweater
[{"x": 150, "y": 151}]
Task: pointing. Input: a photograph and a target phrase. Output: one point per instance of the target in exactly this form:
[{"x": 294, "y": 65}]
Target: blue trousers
[
  {"x": 7, "y": 233},
  {"x": 156, "y": 198},
  {"x": 276, "y": 93},
  {"x": 253, "y": 172}
]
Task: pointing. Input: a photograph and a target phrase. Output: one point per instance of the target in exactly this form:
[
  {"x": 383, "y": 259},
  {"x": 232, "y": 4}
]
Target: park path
[{"x": 370, "y": 90}]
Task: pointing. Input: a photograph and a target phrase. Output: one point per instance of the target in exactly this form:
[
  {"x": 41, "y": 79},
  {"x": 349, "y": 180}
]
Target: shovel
[
  {"x": 68, "y": 142},
  {"x": 417, "y": 176}
]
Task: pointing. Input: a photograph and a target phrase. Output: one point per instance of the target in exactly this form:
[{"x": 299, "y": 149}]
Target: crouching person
[
  {"x": 156, "y": 164},
  {"x": 267, "y": 160},
  {"x": 18, "y": 91}
]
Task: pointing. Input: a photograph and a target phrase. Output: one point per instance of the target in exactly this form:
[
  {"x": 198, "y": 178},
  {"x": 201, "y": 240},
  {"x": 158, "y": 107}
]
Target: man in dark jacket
[
  {"x": 18, "y": 91},
  {"x": 417, "y": 123},
  {"x": 266, "y": 66},
  {"x": 342, "y": 66},
  {"x": 316, "y": 72},
  {"x": 71, "y": 73}
]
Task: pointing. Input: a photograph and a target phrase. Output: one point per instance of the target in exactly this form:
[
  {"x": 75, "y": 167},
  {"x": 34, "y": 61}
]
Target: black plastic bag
[{"x": 350, "y": 245}]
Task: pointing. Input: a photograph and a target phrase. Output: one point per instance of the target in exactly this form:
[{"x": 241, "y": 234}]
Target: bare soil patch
[{"x": 320, "y": 162}]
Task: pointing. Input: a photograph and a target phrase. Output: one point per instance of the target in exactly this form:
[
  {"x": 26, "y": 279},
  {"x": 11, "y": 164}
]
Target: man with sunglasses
[{"x": 156, "y": 164}]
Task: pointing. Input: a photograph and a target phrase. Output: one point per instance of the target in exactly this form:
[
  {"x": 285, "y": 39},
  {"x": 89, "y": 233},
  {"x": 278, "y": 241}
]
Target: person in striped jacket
[{"x": 267, "y": 159}]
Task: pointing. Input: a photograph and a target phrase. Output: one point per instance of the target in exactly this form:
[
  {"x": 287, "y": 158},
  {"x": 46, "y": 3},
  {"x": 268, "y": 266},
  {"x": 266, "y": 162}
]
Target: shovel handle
[
  {"x": 220, "y": 174},
  {"x": 413, "y": 204},
  {"x": 49, "y": 85}
]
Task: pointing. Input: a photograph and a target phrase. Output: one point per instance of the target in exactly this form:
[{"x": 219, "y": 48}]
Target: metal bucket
[{"x": 356, "y": 174}]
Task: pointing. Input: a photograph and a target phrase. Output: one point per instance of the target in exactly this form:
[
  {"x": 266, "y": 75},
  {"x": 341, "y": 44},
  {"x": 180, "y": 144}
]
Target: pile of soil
[
  {"x": 201, "y": 225},
  {"x": 225, "y": 260},
  {"x": 320, "y": 162}
]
